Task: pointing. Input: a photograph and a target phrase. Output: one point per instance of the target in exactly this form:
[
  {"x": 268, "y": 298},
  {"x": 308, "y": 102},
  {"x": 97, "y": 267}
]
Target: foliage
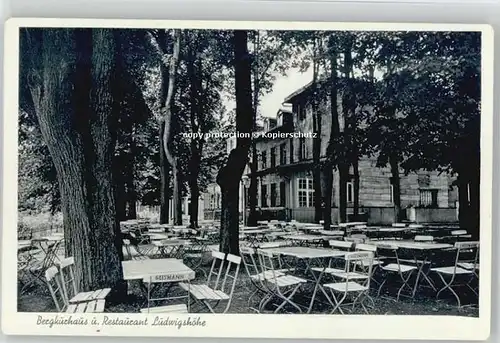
[{"x": 38, "y": 190}]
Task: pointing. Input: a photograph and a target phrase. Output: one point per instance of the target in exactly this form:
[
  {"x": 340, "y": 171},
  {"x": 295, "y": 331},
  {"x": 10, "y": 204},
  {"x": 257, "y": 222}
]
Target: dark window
[
  {"x": 429, "y": 198},
  {"x": 302, "y": 148},
  {"x": 273, "y": 195},
  {"x": 263, "y": 195},
  {"x": 273, "y": 157},
  {"x": 291, "y": 150},
  {"x": 282, "y": 194},
  {"x": 264, "y": 160},
  {"x": 283, "y": 153}
]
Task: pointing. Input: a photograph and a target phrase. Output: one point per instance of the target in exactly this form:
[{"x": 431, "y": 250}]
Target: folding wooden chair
[
  {"x": 70, "y": 289},
  {"x": 356, "y": 238},
  {"x": 423, "y": 238},
  {"x": 194, "y": 253},
  {"x": 376, "y": 263},
  {"x": 141, "y": 244},
  {"x": 56, "y": 289},
  {"x": 254, "y": 273},
  {"x": 278, "y": 284},
  {"x": 463, "y": 272},
  {"x": 35, "y": 269},
  {"x": 131, "y": 253},
  {"x": 403, "y": 272},
  {"x": 354, "y": 281},
  {"x": 215, "y": 290}
]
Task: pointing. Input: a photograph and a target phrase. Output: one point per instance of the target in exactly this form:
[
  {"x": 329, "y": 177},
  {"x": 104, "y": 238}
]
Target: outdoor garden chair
[
  {"x": 194, "y": 253},
  {"x": 463, "y": 273},
  {"x": 131, "y": 252},
  {"x": 456, "y": 236},
  {"x": 395, "y": 271},
  {"x": 220, "y": 283},
  {"x": 356, "y": 238},
  {"x": 377, "y": 260},
  {"x": 35, "y": 270},
  {"x": 56, "y": 289},
  {"x": 341, "y": 245},
  {"x": 141, "y": 244},
  {"x": 353, "y": 282},
  {"x": 422, "y": 238},
  {"x": 336, "y": 264},
  {"x": 356, "y": 229},
  {"x": 278, "y": 284},
  {"x": 70, "y": 289},
  {"x": 460, "y": 234},
  {"x": 254, "y": 273}
]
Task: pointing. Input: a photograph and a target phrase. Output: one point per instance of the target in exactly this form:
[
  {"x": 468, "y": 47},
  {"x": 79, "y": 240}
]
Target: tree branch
[{"x": 153, "y": 42}]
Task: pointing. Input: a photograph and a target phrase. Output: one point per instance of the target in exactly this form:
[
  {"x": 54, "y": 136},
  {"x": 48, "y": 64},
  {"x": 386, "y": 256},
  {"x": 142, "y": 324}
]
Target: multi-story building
[{"x": 285, "y": 183}]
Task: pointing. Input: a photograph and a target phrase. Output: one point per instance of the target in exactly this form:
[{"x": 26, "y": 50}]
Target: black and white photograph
[{"x": 181, "y": 172}]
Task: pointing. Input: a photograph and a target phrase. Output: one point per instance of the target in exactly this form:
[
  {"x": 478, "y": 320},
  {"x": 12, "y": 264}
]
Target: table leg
[
  {"x": 420, "y": 271},
  {"x": 320, "y": 287}
]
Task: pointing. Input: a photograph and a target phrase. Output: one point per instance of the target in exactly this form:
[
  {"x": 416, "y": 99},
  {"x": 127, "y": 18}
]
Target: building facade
[{"x": 285, "y": 182}]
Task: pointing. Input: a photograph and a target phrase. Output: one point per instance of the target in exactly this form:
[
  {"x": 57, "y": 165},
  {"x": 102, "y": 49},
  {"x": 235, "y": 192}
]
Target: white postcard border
[{"x": 244, "y": 325}]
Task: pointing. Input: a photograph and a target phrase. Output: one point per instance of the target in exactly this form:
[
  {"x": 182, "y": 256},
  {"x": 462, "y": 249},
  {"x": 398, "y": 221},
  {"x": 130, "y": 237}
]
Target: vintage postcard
[{"x": 247, "y": 179}]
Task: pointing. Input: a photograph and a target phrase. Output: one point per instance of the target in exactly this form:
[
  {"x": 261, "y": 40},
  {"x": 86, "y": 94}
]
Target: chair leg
[
  {"x": 405, "y": 283},
  {"x": 287, "y": 300},
  {"x": 265, "y": 300},
  {"x": 381, "y": 286},
  {"x": 447, "y": 285},
  {"x": 338, "y": 303}
]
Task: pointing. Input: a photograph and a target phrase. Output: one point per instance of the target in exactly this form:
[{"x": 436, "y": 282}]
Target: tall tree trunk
[
  {"x": 121, "y": 197},
  {"x": 177, "y": 194},
  {"x": 252, "y": 191},
  {"x": 167, "y": 109},
  {"x": 129, "y": 172},
  {"x": 229, "y": 175},
  {"x": 394, "y": 156},
  {"x": 327, "y": 183},
  {"x": 351, "y": 122},
  {"x": 164, "y": 166},
  {"x": 334, "y": 134},
  {"x": 318, "y": 199},
  {"x": 164, "y": 181},
  {"x": 73, "y": 85},
  {"x": 195, "y": 74},
  {"x": 195, "y": 195},
  {"x": 396, "y": 185}
]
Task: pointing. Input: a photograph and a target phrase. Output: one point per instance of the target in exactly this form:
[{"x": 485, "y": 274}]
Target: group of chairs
[
  {"x": 277, "y": 282},
  {"x": 365, "y": 270}
]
